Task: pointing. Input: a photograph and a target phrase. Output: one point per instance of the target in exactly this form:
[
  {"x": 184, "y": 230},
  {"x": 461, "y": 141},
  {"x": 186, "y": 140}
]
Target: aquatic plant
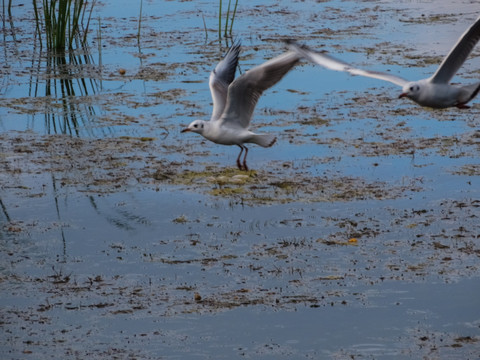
[
  {"x": 64, "y": 84},
  {"x": 63, "y": 22},
  {"x": 205, "y": 28},
  {"x": 9, "y": 7},
  {"x": 140, "y": 21},
  {"x": 64, "y": 74},
  {"x": 227, "y": 31}
]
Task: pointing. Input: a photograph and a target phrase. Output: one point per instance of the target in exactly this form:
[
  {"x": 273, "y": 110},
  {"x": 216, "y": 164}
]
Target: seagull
[
  {"x": 235, "y": 100},
  {"x": 435, "y": 91}
]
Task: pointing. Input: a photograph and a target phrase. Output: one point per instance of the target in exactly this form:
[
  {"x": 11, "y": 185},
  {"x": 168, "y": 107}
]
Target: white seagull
[
  {"x": 235, "y": 100},
  {"x": 434, "y": 92}
]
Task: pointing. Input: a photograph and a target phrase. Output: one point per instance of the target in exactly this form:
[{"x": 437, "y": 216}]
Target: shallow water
[{"x": 355, "y": 236}]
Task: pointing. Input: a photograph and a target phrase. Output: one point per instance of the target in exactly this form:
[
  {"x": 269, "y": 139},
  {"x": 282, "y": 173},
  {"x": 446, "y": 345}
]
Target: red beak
[
  {"x": 185, "y": 130},
  {"x": 402, "y": 95}
]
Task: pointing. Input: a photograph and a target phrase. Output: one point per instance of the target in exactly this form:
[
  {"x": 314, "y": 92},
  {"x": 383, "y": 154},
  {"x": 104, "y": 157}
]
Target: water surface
[{"x": 355, "y": 236}]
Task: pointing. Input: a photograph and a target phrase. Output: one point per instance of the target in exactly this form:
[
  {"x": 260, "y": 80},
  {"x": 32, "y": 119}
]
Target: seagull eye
[{"x": 195, "y": 126}]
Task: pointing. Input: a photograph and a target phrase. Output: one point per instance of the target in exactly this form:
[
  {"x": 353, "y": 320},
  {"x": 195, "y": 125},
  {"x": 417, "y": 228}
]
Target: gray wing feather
[
  {"x": 244, "y": 92},
  {"x": 457, "y": 56},
  {"x": 331, "y": 63},
  {"x": 221, "y": 77}
]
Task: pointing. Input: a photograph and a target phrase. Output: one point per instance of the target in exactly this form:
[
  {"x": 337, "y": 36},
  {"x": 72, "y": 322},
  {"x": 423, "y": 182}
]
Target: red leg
[
  {"x": 238, "y": 158},
  {"x": 245, "y": 167}
]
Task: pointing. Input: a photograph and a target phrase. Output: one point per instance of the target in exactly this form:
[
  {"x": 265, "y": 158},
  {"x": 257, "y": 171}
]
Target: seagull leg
[
  {"x": 245, "y": 167},
  {"x": 238, "y": 158}
]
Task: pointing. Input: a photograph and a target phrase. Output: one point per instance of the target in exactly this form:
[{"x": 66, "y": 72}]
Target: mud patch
[{"x": 115, "y": 164}]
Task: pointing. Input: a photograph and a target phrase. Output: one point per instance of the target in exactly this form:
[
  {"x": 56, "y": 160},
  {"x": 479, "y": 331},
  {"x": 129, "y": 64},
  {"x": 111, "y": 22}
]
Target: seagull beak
[
  {"x": 402, "y": 95},
  {"x": 185, "y": 130}
]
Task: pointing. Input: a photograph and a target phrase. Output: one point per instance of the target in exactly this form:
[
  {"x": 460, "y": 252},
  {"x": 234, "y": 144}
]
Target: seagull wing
[
  {"x": 220, "y": 78},
  {"x": 333, "y": 64},
  {"x": 244, "y": 92},
  {"x": 457, "y": 55}
]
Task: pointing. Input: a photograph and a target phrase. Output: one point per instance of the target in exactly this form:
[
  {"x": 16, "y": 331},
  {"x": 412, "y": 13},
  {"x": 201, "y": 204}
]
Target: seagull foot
[{"x": 242, "y": 167}]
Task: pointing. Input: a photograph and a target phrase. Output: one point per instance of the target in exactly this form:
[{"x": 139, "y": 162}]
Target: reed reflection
[{"x": 66, "y": 74}]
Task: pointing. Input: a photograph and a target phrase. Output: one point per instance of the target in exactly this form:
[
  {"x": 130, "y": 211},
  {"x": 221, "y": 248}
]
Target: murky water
[{"x": 355, "y": 236}]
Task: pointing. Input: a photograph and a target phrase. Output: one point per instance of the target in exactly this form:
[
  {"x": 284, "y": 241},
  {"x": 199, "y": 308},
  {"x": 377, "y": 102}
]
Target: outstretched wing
[
  {"x": 331, "y": 63},
  {"x": 221, "y": 77},
  {"x": 457, "y": 56},
  {"x": 244, "y": 92}
]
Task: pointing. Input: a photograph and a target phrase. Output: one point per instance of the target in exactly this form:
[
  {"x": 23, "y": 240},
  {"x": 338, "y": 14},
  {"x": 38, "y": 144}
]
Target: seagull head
[
  {"x": 196, "y": 126},
  {"x": 411, "y": 90}
]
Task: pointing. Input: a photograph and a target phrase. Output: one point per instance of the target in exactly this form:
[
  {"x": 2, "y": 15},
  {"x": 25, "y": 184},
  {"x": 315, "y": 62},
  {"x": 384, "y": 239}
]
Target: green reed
[
  {"x": 9, "y": 7},
  {"x": 227, "y": 30},
  {"x": 65, "y": 76},
  {"x": 62, "y": 23}
]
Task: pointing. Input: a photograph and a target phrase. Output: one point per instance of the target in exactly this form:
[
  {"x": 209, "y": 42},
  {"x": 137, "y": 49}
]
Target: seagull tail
[
  {"x": 469, "y": 92},
  {"x": 475, "y": 88},
  {"x": 264, "y": 140}
]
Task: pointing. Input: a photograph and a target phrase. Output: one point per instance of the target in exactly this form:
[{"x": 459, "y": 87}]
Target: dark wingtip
[
  {"x": 236, "y": 44},
  {"x": 235, "y": 48},
  {"x": 289, "y": 41},
  {"x": 474, "y": 93},
  {"x": 273, "y": 142},
  {"x": 296, "y": 46}
]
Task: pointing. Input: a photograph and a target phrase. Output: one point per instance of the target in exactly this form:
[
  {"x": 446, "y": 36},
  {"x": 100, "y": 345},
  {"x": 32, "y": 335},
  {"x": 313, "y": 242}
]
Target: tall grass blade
[
  {"x": 62, "y": 26},
  {"x": 233, "y": 16},
  {"x": 100, "y": 63},
  {"x": 85, "y": 32},
  {"x": 227, "y": 31},
  {"x": 205, "y": 28},
  {"x": 139, "y": 22},
  {"x": 63, "y": 22},
  {"x": 220, "y": 21},
  {"x": 38, "y": 22},
  {"x": 227, "y": 17}
]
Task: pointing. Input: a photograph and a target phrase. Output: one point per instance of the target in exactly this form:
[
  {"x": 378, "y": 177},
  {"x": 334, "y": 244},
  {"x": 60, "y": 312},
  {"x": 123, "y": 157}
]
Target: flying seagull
[
  {"x": 235, "y": 100},
  {"x": 434, "y": 92}
]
